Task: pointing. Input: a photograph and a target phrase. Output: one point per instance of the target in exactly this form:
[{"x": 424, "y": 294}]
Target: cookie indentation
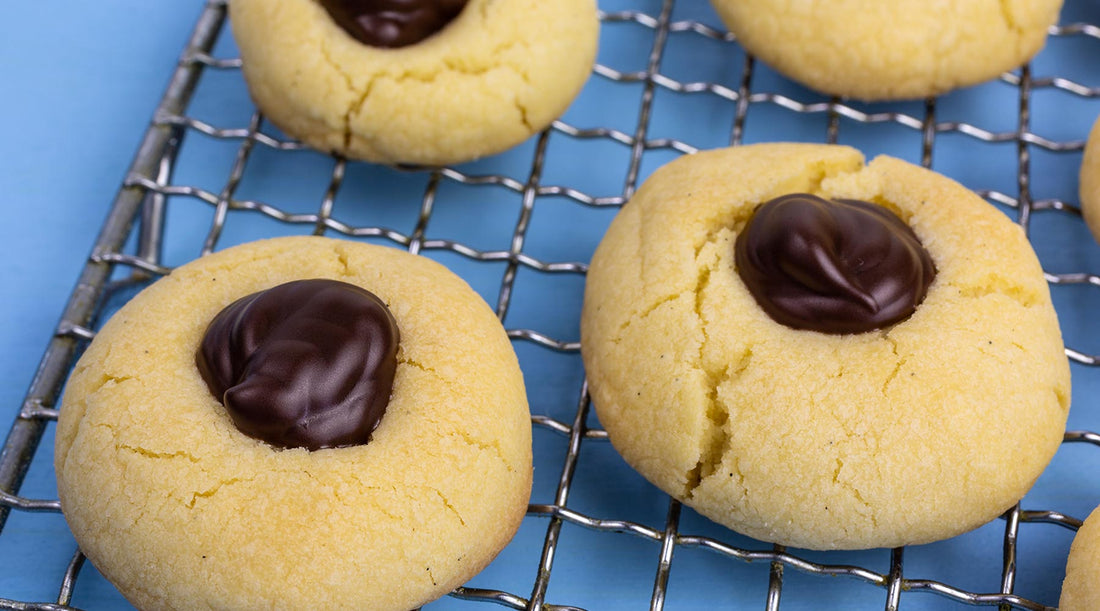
[
  {"x": 840, "y": 266},
  {"x": 392, "y": 23},
  {"x": 306, "y": 364}
]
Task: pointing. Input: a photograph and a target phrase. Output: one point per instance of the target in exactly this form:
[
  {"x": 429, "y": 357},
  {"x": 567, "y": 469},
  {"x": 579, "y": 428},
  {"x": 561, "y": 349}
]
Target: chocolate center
[
  {"x": 307, "y": 364},
  {"x": 392, "y": 23},
  {"x": 841, "y": 266}
]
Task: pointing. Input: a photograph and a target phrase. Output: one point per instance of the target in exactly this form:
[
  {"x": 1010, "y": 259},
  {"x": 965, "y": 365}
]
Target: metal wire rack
[{"x": 643, "y": 56}]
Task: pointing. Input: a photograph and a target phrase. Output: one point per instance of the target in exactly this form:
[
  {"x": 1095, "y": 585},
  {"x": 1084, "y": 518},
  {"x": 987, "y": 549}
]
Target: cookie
[
  {"x": 875, "y": 50},
  {"x": 475, "y": 81},
  {"x": 1090, "y": 181},
  {"x": 852, "y": 430},
  {"x": 181, "y": 508},
  {"x": 1081, "y": 588}
]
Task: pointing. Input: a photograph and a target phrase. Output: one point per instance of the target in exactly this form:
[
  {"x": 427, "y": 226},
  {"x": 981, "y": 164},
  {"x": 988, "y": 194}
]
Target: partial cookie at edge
[
  {"x": 903, "y": 49},
  {"x": 500, "y": 72},
  {"x": 1089, "y": 188},
  {"x": 1081, "y": 588}
]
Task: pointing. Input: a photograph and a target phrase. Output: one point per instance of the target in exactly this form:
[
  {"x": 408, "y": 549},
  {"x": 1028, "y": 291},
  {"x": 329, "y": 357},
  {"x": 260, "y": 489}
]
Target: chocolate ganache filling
[
  {"x": 392, "y": 23},
  {"x": 307, "y": 364},
  {"x": 839, "y": 266}
]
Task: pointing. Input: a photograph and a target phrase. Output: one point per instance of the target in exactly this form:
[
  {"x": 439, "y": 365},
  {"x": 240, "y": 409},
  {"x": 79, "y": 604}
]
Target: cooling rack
[{"x": 520, "y": 228}]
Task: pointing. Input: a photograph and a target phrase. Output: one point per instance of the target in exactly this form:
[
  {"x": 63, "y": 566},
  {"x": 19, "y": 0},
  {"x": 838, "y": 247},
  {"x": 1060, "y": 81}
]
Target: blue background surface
[{"x": 80, "y": 87}]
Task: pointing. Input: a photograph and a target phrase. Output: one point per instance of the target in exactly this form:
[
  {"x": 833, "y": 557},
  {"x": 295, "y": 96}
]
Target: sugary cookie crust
[
  {"x": 908, "y": 435},
  {"x": 182, "y": 511},
  {"x": 900, "y": 49},
  {"x": 1090, "y": 181},
  {"x": 1081, "y": 588},
  {"x": 501, "y": 71}
]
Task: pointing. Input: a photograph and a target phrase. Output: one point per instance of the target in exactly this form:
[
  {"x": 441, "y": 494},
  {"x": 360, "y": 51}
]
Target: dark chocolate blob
[
  {"x": 392, "y": 23},
  {"x": 840, "y": 266},
  {"x": 307, "y": 364}
]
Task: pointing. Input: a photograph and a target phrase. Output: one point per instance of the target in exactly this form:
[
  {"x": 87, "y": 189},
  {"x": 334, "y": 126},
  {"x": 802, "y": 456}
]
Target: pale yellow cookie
[
  {"x": 900, "y": 49},
  {"x": 1089, "y": 188},
  {"x": 500, "y": 72},
  {"x": 180, "y": 510},
  {"x": 1081, "y": 588},
  {"x": 875, "y": 439}
]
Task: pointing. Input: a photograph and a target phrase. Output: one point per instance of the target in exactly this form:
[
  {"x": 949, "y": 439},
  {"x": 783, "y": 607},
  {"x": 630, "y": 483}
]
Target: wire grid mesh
[{"x": 143, "y": 234}]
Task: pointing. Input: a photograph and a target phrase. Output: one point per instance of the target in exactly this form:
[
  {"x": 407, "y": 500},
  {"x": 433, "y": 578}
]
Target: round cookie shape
[
  {"x": 1089, "y": 183},
  {"x": 1081, "y": 588},
  {"x": 181, "y": 510},
  {"x": 903, "y": 49},
  {"x": 499, "y": 72},
  {"x": 811, "y": 439}
]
